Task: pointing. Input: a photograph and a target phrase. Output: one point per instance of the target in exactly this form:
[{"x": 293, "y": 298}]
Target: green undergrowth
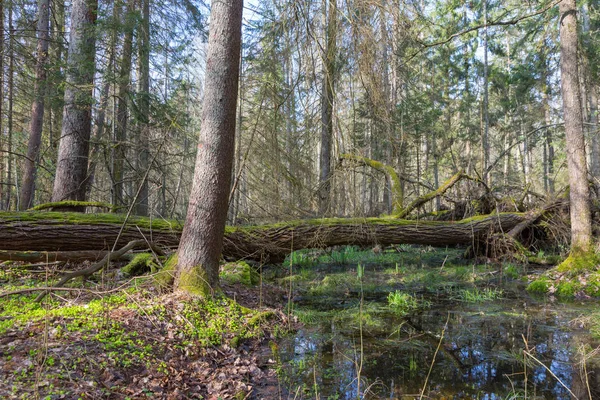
[
  {"x": 404, "y": 303},
  {"x": 322, "y": 275},
  {"x": 125, "y": 325},
  {"x": 578, "y": 276},
  {"x": 478, "y": 295}
]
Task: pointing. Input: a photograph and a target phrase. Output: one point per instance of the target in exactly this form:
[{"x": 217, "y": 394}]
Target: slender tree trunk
[
  {"x": 327, "y": 108},
  {"x": 202, "y": 238},
  {"x": 55, "y": 85},
  {"x": 73, "y": 152},
  {"x": 122, "y": 107},
  {"x": 144, "y": 107},
  {"x": 11, "y": 99},
  {"x": 37, "y": 109},
  {"x": 595, "y": 147},
  {"x": 2, "y": 154},
  {"x": 100, "y": 124},
  {"x": 581, "y": 227},
  {"x": 486, "y": 117},
  {"x": 548, "y": 143}
]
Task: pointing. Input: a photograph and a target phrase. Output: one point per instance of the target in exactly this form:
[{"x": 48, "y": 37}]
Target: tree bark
[
  {"x": 100, "y": 121},
  {"x": 581, "y": 226},
  {"x": 595, "y": 146},
  {"x": 327, "y": 109},
  {"x": 144, "y": 107},
  {"x": 202, "y": 238},
  {"x": 124, "y": 79},
  {"x": 11, "y": 99},
  {"x": 59, "y": 232},
  {"x": 71, "y": 170},
  {"x": 2, "y": 183},
  {"x": 37, "y": 108}
]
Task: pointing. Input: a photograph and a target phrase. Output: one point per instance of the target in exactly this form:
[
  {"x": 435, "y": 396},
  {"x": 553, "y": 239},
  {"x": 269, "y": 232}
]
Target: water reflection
[{"x": 480, "y": 357}]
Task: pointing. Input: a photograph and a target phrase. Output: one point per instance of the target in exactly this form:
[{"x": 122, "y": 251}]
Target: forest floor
[
  {"x": 120, "y": 338},
  {"x": 132, "y": 341}
]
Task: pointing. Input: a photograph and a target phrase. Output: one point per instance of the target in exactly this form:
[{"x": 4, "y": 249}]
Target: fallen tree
[{"x": 55, "y": 233}]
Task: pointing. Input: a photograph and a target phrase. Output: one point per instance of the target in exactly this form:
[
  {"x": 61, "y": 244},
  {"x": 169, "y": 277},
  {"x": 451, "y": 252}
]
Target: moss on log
[
  {"x": 60, "y": 232},
  {"x": 69, "y": 205}
]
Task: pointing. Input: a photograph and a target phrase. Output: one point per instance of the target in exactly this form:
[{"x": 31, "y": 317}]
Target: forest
[{"x": 277, "y": 199}]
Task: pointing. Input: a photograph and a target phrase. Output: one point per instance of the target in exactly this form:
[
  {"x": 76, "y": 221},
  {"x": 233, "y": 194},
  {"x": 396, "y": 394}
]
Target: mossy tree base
[
  {"x": 577, "y": 276},
  {"x": 578, "y": 262},
  {"x": 192, "y": 281}
]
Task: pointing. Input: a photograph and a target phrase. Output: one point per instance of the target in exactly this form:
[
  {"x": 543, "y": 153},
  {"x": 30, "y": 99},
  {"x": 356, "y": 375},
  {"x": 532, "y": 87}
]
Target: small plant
[
  {"x": 511, "y": 271},
  {"x": 540, "y": 285},
  {"x": 404, "y": 303},
  {"x": 479, "y": 295}
]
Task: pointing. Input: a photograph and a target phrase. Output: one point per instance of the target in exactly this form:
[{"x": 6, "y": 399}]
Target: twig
[
  {"x": 551, "y": 373},
  {"x": 97, "y": 266},
  {"x": 434, "y": 356}
]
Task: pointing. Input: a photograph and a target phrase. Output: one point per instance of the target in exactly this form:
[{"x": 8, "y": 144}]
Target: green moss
[
  {"x": 7, "y": 218},
  {"x": 540, "y": 285},
  {"x": 141, "y": 263},
  {"x": 166, "y": 276},
  {"x": 578, "y": 262},
  {"x": 70, "y": 203},
  {"x": 239, "y": 272},
  {"x": 260, "y": 317},
  {"x": 193, "y": 282}
]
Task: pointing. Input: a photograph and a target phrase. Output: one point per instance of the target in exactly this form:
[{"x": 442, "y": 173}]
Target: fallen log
[
  {"x": 51, "y": 256},
  {"x": 60, "y": 232}
]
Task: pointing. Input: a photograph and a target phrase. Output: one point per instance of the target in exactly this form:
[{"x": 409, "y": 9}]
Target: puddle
[{"x": 481, "y": 355}]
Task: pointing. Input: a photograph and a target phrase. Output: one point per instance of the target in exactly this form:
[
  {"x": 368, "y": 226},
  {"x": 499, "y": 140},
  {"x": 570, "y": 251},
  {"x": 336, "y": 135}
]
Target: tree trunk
[
  {"x": 55, "y": 84},
  {"x": 37, "y": 108},
  {"x": 202, "y": 238},
  {"x": 548, "y": 143},
  {"x": 144, "y": 107},
  {"x": 486, "y": 117},
  {"x": 581, "y": 227},
  {"x": 2, "y": 182},
  {"x": 327, "y": 108},
  {"x": 122, "y": 109},
  {"x": 11, "y": 99},
  {"x": 60, "y": 232},
  {"x": 73, "y": 152},
  {"x": 100, "y": 122},
  {"x": 595, "y": 147}
]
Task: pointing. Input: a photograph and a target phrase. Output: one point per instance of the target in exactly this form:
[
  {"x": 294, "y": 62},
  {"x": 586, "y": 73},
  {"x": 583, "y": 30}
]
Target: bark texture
[
  {"x": 53, "y": 231},
  {"x": 144, "y": 107},
  {"x": 202, "y": 238},
  {"x": 73, "y": 152},
  {"x": 120, "y": 149},
  {"x": 581, "y": 226},
  {"x": 37, "y": 108},
  {"x": 327, "y": 109}
]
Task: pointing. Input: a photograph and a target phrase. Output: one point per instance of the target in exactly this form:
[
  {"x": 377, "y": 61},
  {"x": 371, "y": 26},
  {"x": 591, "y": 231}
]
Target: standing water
[{"x": 446, "y": 339}]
